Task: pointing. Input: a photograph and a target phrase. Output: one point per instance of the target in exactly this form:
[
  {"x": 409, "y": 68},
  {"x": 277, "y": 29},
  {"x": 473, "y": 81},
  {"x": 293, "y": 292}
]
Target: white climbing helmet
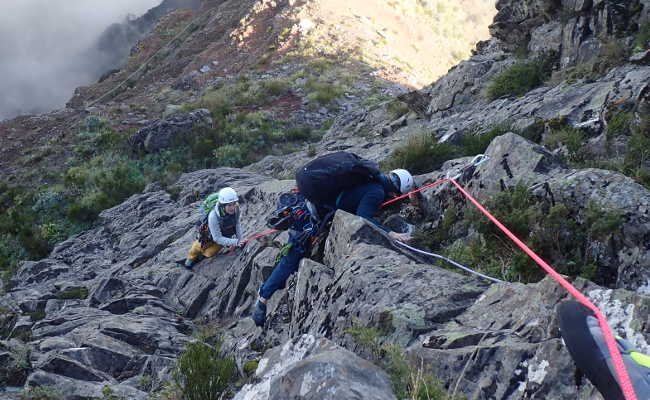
[
  {"x": 227, "y": 195},
  {"x": 402, "y": 180}
]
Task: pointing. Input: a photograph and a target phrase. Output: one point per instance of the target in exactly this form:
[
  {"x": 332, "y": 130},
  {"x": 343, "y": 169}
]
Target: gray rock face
[
  {"x": 514, "y": 160},
  {"x": 486, "y": 341},
  {"x": 315, "y": 368},
  {"x": 133, "y": 322},
  {"x": 161, "y": 134}
]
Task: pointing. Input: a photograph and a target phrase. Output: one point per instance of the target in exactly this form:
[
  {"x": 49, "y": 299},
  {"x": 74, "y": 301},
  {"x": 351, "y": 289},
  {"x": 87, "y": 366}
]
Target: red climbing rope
[
  {"x": 624, "y": 378},
  {"x": 414, "y": 191},
  {"x": 259, "y": 235}
]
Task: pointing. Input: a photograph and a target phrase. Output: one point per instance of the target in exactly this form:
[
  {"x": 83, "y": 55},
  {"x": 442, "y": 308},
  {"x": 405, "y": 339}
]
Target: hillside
[{"x": 557, "y": 100}]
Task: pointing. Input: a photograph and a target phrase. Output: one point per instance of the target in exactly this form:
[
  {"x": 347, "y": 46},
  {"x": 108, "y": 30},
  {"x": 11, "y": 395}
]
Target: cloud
[{"x": 44, "y": 48}]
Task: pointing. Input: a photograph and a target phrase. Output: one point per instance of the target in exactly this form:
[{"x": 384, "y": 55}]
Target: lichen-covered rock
[
  {"x": 161, "y": 134},
  {"x": 315, "y": 368}
]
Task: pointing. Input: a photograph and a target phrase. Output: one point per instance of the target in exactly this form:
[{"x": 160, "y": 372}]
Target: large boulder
[
  {"x": 514, "y": 160},
  {"x": 162, "y": 134},
  {"x": 308, "y": 368}
]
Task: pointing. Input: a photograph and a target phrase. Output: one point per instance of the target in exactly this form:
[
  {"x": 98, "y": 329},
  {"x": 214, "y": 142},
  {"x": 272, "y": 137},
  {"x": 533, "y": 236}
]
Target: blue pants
[{"x": 287, "y": 266}]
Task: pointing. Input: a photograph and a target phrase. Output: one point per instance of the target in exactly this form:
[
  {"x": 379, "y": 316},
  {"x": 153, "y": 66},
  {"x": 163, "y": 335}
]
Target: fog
[{"x": 44, "y": 49}]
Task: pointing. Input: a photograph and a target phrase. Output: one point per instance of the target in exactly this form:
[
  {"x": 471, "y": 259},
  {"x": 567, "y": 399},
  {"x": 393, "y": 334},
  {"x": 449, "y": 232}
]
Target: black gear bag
[{"x": 324, "y": 178}]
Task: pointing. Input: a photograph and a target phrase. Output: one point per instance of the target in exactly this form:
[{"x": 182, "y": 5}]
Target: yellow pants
[{"x": 196, "y": 250}]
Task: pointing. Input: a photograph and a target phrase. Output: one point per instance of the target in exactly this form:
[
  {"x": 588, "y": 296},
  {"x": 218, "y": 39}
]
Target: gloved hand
[
  {"x": 586, "y": 344},
  {"x": 402, "y": 237}
]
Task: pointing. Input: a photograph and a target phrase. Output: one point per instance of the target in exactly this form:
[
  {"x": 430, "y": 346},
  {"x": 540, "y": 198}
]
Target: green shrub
[
  {"x": 202, "y": 374},
  {"x": 41, "y": 393},
  {"x": 408, "y": 382},
  {"x": 556, "y": 234},
  {"x": 367, "y": 337},
  {"x": 642, "y": 38},
  {"x": 299, "y": 133},
  {"x": 473, "y": 144},
  {"x": 570, "y": 137},
  {"x": 229, "y": 155},
  {"x": 516, "y": 80},
  {"x": 79, "y": 293},
  {"x": 323, "y": 92},
  {"x": 422, "y": 153},
  {"x": 619, "y": 124},
  {"x": 11, "y": 252},
  {"x": 250, "y": 367},
  {"x": 100, "y": 184}
]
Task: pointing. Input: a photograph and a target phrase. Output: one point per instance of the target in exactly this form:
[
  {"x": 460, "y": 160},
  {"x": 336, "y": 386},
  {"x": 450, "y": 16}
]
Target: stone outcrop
[
  {"x": 111, "y": 305},
  {"x": 137, "y": 316},
  {"x": 514, "y": 160},
  {"x": 311, "y": 368},
  {"x": 162, "y": 134}
]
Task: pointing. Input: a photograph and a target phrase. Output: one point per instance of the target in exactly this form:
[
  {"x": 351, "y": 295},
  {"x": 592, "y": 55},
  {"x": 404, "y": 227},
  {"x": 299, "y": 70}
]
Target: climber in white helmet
[{"x": 219, "y": 227}]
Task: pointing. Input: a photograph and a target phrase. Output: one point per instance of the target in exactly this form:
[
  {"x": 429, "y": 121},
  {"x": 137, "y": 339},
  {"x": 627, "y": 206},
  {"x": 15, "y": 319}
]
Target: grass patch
[
  {"x": 563, "y": 237},
  {"x": 423, "y": 153},
  {"x": 201, "y": 374},
  {"x": 571, "y": 138},
  {"x": 409, "y": 382},
  {"x": 520, "y": 78},
  {"x": 642, "y": 37},
  {"x": 323, "y": 93},
  {"x": 80, "y": 293}
]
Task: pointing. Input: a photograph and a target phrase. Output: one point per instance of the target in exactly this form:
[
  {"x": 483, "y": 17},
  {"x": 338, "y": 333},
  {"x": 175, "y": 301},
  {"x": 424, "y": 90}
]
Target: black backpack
[{"x": 323, "y": 179}]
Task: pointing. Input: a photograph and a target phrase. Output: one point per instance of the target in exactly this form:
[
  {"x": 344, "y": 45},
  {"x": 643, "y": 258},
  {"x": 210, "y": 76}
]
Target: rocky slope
[{"x": 486, "y": 341}]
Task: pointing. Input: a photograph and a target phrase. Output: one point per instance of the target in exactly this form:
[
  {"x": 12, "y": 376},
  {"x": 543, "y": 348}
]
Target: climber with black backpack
[
  {"x": 219, "y": 226},
  {"x": 347, "y": 182},
  {"x": 339, "y": 180}
]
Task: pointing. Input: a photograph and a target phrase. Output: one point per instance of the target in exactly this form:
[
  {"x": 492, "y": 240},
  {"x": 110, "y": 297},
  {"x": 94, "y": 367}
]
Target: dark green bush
[
  {"x": 101, "y": 184},
  {"x": 518, "y": 79},
  {"x": 619, "y": 124},
  {"x": 570, "y": 137},
  {"x": 558, "y": 235},
  {"x": 642, "y": 38},
  {"x": 473, "y": 144},
  {"x": 202, "y": 374},
  {"x": 79, "y": 293},
  {"x": 422, "y": 153}
]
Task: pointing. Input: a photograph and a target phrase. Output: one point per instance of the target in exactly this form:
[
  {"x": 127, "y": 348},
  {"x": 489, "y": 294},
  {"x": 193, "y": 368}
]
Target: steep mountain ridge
[{"x": 480, "y": 339}]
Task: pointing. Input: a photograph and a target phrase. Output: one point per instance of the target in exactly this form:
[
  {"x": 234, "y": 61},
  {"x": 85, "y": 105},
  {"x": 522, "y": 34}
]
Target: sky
[{"x": 42, "y": 46}]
